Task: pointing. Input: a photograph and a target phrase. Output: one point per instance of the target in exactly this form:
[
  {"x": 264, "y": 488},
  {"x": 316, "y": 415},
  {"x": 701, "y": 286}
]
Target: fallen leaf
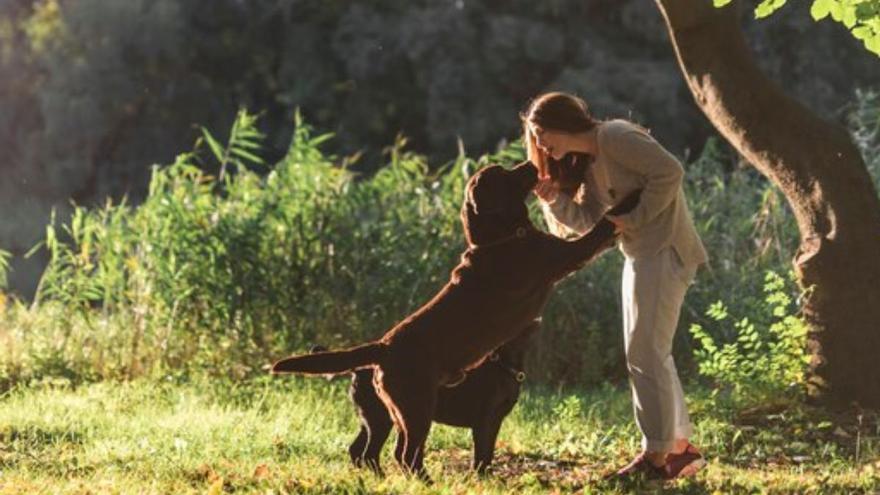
[
  {"x": 261, "y": 471},
  {"x": 208, "y": 473}
]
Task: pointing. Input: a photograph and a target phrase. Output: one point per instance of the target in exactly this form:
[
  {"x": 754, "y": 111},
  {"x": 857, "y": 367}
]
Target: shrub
[{"x": 767, "y": 356}]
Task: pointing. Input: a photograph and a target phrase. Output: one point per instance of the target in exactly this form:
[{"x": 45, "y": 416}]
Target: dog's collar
[
  {"x": 518, "y": 375},
  {"x": 520, "y": 233}
]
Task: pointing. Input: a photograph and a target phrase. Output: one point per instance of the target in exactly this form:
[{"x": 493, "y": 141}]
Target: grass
[{"x": 290, "y": 436}]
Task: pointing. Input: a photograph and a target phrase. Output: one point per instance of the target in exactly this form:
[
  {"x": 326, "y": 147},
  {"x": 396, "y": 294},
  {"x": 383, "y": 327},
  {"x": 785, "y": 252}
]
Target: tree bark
[{"x": 823, "y": 177}]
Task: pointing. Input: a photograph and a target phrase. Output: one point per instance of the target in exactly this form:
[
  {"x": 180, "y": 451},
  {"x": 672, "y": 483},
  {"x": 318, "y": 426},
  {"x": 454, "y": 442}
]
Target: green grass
[{"x": 290, "y": 436}]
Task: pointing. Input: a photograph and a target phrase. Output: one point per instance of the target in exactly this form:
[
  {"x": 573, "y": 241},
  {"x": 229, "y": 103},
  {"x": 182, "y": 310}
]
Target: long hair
[{"x": 556, "y": 111}]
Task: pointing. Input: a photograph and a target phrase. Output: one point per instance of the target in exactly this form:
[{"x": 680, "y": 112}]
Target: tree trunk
[{"x": 824, "y": 179}]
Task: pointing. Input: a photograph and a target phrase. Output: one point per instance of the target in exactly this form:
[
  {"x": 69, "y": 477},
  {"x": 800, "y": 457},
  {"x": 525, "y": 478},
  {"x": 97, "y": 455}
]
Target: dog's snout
[{"x": 526, "y": 174}]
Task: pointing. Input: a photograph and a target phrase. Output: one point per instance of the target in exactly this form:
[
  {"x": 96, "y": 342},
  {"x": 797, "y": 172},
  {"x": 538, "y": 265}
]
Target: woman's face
[{"x": 552, "y": 143}]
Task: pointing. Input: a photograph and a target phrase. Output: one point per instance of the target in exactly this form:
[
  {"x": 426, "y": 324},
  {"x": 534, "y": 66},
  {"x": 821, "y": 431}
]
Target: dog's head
[{"x": 495, "y": 202}]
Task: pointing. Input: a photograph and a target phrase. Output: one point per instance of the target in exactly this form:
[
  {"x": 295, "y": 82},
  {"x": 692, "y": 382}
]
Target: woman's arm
[
  {"x": 639, "y": 152},
  {"x": 566, "y": 256},
  {"x": 566, "y": 217}
]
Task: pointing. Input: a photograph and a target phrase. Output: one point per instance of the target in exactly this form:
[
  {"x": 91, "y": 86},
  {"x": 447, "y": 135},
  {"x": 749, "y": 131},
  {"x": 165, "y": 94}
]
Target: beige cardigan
[{"x": 628, "y": 158}]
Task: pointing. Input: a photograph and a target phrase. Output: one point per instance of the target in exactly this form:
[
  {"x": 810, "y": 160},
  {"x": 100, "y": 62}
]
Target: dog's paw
[{"x": 627, "y": 204}]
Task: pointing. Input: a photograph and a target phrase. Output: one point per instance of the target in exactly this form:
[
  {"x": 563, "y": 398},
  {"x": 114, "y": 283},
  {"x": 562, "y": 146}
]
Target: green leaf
[
  {"x": 873, "y": 44},
  {"x": 820, "y": 9},
  {"x": 835, "y": 9},
  {"x": 867, "y": 11},
  {"x": 247, "y": 155},
  {"x": 243, "y": 143},
  {"x": 216, "y": 148},
  {"x": 315, "y": 142},
  {"x": 767, "y": 7},
  {"x": 721, "y": 3},
  {"x": 849, "y": 16}
]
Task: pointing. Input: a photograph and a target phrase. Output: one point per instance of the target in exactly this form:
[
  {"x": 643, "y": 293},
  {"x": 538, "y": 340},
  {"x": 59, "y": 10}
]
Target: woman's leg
[{"x": 653, "y": 291}]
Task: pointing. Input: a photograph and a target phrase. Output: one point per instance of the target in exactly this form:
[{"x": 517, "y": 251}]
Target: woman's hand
[{"x": 547, "y": 190}]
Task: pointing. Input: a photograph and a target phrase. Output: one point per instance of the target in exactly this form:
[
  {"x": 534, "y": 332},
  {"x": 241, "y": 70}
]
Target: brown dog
[{"x": 498, "y": 289}]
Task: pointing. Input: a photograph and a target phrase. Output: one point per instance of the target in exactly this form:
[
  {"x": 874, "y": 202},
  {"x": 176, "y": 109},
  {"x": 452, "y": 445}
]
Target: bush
[
  {"x": 767, "y": 357},
  {"x": 222, "y": 275}
]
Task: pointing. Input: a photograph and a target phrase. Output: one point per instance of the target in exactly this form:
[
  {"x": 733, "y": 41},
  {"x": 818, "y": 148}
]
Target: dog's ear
[
  {"x": 469, "y": 201},
  {"x": 485, "y": 191}
]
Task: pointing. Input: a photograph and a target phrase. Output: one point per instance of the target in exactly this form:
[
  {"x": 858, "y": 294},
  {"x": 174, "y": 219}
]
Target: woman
[{"x": 662, "y": 252}]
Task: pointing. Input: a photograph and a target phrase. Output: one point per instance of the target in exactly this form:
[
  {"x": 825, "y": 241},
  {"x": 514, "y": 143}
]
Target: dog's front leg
[
  {"x": 566, "y": 257},
  {"x": 485, "y": 435}
]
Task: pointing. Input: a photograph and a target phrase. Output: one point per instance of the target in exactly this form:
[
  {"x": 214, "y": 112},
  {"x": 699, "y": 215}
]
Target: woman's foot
[
  {"x": 685, "y": 463},
  {"x": 640, "y": 466},
  {"x": 679, "y": 464}
]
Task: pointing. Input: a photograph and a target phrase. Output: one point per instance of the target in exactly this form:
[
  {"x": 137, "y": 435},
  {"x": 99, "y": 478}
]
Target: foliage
[
  {"x": 861, "y": 17},
  {"x": 244, "y": 139},
  {"x": 864, "y": 120},
  {"x": 209, "y": 273},
  {"x": 114, "y": 86},
  {"x": 221, "y": 276},
  {"x": 96, "y": 91},
  {"x": 290, "y": 435},
  {"x": 767, "y": 356},
  {"x": 4, "y": 267}
]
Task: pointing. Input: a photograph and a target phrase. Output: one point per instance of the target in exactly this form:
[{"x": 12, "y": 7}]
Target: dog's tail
[{"x": 332, "y": 362}]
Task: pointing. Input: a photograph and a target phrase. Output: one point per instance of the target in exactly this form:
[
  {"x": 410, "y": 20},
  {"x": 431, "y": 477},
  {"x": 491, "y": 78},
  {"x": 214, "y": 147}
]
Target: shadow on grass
[
  {"x": 37, "y": 438},
  {"x": 49, "y": 450},
  {"x": 547, "y": 473},
  {"x": 797, "y": 434}
]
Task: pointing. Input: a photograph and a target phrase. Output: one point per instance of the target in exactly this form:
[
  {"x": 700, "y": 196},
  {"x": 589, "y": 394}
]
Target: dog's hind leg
[
  {"x": 397, "y": 420},
  {"x": 366, "y": 448},
  {"x": 417, "y": 424},
  {"x": 357, "y": 447},
  {"x": 409, "y": 452},
  {"x": 399, "y": 446},
  {"x": 411, "y": 403},
  {"x": 378, "y": 429},
  {"x": 375, "y": 422}
]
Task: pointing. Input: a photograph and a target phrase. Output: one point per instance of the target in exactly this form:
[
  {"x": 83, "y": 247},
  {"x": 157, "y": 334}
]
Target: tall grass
[{"x": 221, "y": 275}]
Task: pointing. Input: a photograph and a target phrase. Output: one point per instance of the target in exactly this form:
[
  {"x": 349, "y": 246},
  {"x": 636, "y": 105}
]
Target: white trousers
[{"x": 653, "y": 291}]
